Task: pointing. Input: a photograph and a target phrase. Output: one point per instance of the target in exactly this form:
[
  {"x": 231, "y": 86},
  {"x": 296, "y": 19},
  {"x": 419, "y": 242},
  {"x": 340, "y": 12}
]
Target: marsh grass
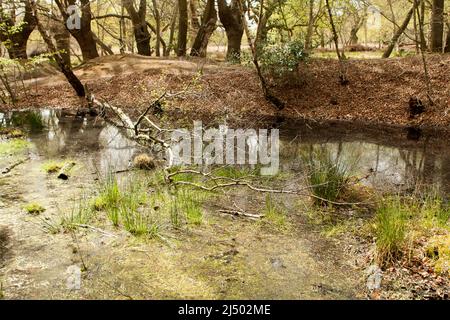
[
  {"x": 274, "y": 212},
  {"x": 327, "y": 175},
  {"x": 391, "y": 220},
  {"x": 80, "y": 213},
  {"x": 399, "y": 221},
  {"x": 191, "y": 203}
]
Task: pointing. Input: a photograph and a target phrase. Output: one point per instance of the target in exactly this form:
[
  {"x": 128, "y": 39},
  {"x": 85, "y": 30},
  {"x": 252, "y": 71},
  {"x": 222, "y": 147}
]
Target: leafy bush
[{"x": 282, "y": 60}]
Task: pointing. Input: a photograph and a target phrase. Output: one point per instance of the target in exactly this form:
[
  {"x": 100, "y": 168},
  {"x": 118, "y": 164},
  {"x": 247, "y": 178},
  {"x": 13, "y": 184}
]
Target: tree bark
[
  {"x": 141, "y": 33},
  {"x": 173, "y": 23},
  {"x": 437, "y": 26},
  {"x": 231, "y": 19},
  {"x": 310, "y": 30},
  {"x": 18, "y": 40},
  {"x": 182, "y": 28},
  {"x": 399, "y": 32},
  {"x": 205, "y": 31},
  {"x": 83, "y": 35},
  {"x": 447, "y": 43},
  {"x": 195, "y": 20},
  {"x": 62, "y": 39},
  {"x": 158, "y": 27}
]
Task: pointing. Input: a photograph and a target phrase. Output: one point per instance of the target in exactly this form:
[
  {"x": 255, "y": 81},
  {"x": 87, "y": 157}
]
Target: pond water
[
  {"x": 226, "y": 257},
  {"x": 387, "y": 157}
]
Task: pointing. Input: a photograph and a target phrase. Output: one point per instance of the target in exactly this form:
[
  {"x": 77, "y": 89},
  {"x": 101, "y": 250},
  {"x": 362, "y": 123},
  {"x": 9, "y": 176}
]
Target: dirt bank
[{"x": 378, "y": 92}]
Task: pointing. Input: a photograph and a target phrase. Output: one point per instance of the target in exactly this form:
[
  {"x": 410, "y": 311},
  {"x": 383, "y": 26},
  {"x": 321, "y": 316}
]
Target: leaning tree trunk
[
  {"x": 399, "y": 32},
  {"x": 141, "y": 33},
  {"x": 62, "y": 39},
  {"x": 63, "y": 67},
  {"x": 182, "y": 27},
  {"x": 205, "y": 31},
  {"x": 18, "y": 40},
  {"x": 231, "y": 19},
  {"x": 437, "y": 26}
]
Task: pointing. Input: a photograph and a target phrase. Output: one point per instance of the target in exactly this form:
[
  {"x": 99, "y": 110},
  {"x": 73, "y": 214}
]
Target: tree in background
[
  {"x": 83, "y": 35},
  {"x": 138, "y": 19},
  {"x": 182, "y": 27},
  {"x": 231, "y": 18},
  {"x": 205, "y": 30},
  {"x": 14, "y": 34},
  {"x": 437, "y": 25}
]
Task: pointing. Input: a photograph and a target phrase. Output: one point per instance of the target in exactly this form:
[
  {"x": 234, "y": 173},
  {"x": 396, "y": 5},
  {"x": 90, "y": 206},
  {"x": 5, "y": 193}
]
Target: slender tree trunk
[
  {"x": 437, "y": 26},
  {"x": 399, "y": 32},
  {"x": 310, "y": 30},
  {"x": 205, "y": 31},
  {"x": 158, "y": 27},
  {"x": 231, "y": 18},
  {"x": 447, "y": 43},
  {"x": 172, "y": 31},
  {"x": 182, "y": 27}
]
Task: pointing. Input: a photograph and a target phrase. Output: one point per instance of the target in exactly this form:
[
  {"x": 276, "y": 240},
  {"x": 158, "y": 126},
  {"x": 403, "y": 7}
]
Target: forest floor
[{"x": 378, "y": 92}]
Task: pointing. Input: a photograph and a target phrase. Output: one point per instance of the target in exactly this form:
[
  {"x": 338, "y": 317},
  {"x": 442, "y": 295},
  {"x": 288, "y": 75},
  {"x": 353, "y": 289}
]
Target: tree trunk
[
  {"x": 172, "y": 31},
  {"x": 309, "y": 32},
  {"x": 195, "y": 21},
  {"x": 447, "y": 43},
  {"x": 62, "y": 39},
  {"x": 18, "y": 40},
  {"x": 399, "y": 32},
  {"x": 83, "y": 35},
  {"x": 141, "y": 33},
  {"x": 205, "y": 31},
  {"x": 158, "y": 27},
  {"x": 437, "y": 26},
  {"x": 231, "y": 19},
  {"x": 182, "y": 28},
  {"x": 63, "y": 67}
]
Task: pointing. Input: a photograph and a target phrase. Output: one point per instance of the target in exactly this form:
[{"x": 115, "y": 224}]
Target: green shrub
[{"x": 281, "y": 60}]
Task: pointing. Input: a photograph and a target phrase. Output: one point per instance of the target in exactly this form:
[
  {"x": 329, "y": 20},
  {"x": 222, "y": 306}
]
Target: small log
[
  {"x": 12, "y": 166},
  {"x": 64, "y": 173}
]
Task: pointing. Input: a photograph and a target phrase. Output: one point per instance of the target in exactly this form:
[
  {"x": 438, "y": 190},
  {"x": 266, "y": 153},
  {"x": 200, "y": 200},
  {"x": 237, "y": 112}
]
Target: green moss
[
  {"x": 34, "y": 208},
  {"x": 52, "y": 166},
  {"x": 438, "y": 249},
  {"x": 13, "y": 146}
]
